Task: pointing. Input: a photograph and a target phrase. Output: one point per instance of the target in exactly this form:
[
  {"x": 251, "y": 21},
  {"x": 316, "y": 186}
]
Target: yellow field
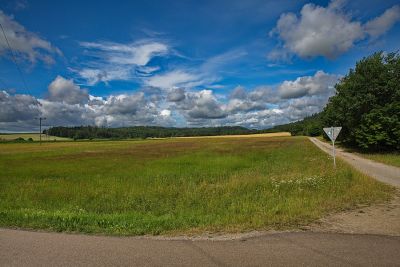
[
  {"x": 34, "y": 136},
  {"x": 279, "y": 134}
]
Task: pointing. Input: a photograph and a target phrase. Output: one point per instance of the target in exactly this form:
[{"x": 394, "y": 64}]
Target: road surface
[
  {"x": 25, "y": 248},
  {"x": 379, "y": 171}
]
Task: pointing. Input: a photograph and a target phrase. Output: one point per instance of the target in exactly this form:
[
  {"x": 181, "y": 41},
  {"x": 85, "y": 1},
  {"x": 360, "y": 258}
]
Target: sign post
[{"x": 332, "y": 133}]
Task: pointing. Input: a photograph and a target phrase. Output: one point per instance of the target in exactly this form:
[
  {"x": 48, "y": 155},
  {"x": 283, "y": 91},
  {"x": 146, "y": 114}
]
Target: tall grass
[{"x": 175, "y": 185}]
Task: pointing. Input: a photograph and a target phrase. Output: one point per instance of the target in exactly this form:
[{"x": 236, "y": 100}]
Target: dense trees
[
  {"x": 367, "y": 104},
  {"x": 92, "y": 132}
]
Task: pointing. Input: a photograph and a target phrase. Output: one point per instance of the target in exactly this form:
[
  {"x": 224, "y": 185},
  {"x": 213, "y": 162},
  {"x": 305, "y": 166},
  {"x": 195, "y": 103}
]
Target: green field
[
  {"x": 175, "y": 186},
  {"x": 34, "y": 136}
]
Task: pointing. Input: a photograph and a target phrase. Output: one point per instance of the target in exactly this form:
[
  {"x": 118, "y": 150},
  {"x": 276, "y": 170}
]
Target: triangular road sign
[{"x": 332, "y": 132}]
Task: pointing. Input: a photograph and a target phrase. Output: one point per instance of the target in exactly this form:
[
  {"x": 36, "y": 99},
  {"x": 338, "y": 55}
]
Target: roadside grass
[
  {"x": 176, "y": 186},
  {"x": 387, "y": 158}
]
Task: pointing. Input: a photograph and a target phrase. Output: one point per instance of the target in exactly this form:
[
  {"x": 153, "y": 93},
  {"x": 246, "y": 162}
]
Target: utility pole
[{"x": 40, "y": 128}]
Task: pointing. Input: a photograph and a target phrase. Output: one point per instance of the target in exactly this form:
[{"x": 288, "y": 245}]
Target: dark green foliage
[
  {"x": 367, "y": 104},
  {"x": 92, "y": 132}
]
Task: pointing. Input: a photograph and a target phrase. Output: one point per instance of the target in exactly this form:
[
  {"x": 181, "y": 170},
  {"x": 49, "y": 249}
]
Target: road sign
[{"x": 332, "y": 133}]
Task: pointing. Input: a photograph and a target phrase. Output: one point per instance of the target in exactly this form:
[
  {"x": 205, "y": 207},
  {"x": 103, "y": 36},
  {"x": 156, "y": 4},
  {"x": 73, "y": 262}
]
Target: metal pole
[
  {"x": 333, "y": 147},
  {"x": 40, "y": 131},
  {"x": 334, "y": 156}
]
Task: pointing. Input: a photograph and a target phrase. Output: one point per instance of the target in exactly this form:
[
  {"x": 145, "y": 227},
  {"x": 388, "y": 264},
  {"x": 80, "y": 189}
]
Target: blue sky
[{"x": 182, "y": 63}]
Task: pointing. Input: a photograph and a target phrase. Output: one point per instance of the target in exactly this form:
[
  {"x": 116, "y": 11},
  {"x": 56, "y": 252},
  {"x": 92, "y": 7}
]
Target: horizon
[{"x": 256, "y": 64}]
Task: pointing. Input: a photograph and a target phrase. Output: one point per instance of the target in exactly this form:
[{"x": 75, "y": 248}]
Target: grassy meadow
[{"x": 175, "y": 186}]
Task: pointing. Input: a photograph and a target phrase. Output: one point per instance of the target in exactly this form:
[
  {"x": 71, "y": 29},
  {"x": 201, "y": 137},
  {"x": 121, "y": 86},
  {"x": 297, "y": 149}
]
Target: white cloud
[
  {"x": 63, "y": 90},
  {"x": 28, "y": 45},
  {"x": 325, "y": 31},
  {"x": 201, "y": 105},
  {"x": 132, "y": 54},
  {"x": 165, "y": 113},
  {"x": 320, "y": 83},
  {"x": 383, "y": 23},
  {"x": 124, "y": 104},
  {"x": 176, "y": 78},
  {"x": 116, "y": 61},
  {"x": 93, "y": 76}
]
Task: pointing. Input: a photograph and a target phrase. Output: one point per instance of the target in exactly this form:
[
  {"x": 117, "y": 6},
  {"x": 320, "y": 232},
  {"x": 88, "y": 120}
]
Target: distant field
[
  {"x": 279, "y": 134},
  {"x": 26, "y": 136},
  {"x": 175, "y": 185}
]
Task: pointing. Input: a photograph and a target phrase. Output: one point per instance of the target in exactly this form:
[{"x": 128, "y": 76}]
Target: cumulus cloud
[
  {"x": 200, "y": 105},
  {"x": 325, "y": 31},
  {"x": 62, "y": 113},
  {"x": 176, "y": 95},
  {"x": 16, "y": 108},
  {"x": 243, "y": 101},
  {"x": 116, "y": 61},
  {"x": 204, "y": 105},
  {"x": 28, "y": 45},
  {"x": 64, "y": 90},
  {"x": 320, "y": 83},
  {"x": 124, "y": 104},
  {"x": 261, "y": 107}
]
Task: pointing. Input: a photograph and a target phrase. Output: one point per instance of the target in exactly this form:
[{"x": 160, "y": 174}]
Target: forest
[{"x": 93, "y": 132}]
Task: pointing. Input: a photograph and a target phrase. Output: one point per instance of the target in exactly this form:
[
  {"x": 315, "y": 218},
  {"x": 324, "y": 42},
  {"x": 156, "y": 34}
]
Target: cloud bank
[{"x": 68, "y": 104}]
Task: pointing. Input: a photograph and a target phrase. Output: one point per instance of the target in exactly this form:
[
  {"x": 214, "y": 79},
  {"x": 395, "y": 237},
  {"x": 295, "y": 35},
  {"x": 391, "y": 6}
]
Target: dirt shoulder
[
  {"x": 383, "y": 219},
  {"x": 380, "y": 219}
]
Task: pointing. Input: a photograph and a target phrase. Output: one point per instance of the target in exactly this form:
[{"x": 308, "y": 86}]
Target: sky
[{"x": 255, "y": 64}]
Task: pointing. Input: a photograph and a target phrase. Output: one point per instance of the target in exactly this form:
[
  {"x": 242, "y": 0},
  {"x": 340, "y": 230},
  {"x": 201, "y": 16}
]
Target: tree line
[{"x": 93, "y": 132}]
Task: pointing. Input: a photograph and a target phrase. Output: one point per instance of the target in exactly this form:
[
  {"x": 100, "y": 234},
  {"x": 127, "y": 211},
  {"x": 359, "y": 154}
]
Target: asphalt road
[
  {"x": 382, "y": 172},
  {"x": 25, "y": 248}
]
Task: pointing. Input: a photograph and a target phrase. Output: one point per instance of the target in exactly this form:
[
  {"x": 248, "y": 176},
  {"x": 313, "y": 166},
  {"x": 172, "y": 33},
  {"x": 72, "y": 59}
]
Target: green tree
[{"x": 367, "y": 104}]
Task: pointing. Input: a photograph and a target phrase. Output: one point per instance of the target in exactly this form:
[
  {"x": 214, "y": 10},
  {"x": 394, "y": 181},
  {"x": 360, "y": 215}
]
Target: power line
[{"x": 14, "y": 57}]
